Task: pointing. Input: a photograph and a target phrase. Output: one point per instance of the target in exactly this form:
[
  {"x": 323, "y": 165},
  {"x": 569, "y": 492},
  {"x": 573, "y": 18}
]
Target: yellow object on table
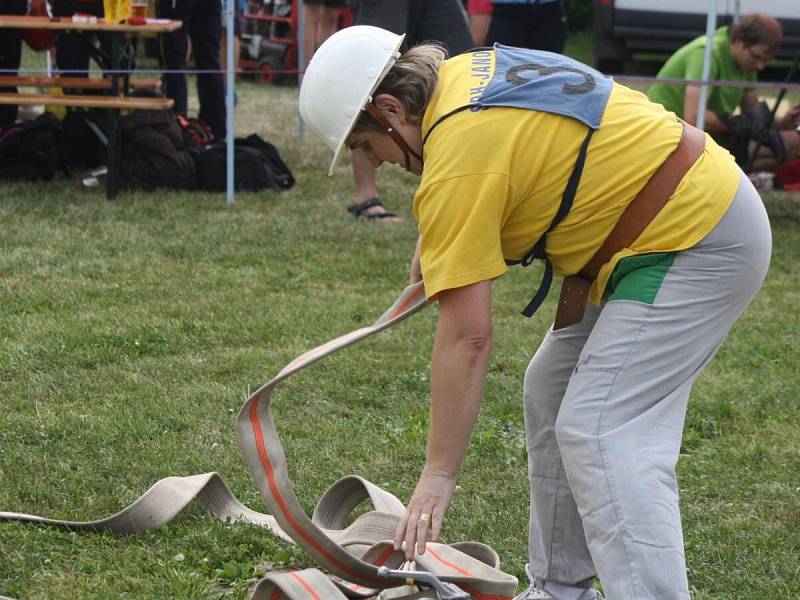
[{"x": 116, "y": 11}]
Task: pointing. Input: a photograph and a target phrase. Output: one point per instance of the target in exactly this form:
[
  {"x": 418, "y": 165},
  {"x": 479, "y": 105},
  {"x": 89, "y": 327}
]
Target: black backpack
[
  {"x": 29, "y": 150},
  {"x": 153, "y": 152},
  {"x": 257, "y": 166},
  {"x": 83, "y": 140}
]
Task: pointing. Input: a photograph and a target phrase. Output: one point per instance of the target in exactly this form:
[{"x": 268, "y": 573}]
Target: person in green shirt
[{"x": 738, "y": 53}]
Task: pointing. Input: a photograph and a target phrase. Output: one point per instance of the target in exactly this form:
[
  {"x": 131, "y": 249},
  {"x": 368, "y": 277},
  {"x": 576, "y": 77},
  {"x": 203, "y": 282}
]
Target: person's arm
[
  {"x": 691, "y": 98},
  {"x": 479, "y": 28},
  {"x": 458, "y": 371}
]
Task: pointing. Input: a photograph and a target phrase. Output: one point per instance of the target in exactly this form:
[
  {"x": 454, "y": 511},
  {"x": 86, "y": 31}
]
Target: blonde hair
[{"x": 412, "y": 80}]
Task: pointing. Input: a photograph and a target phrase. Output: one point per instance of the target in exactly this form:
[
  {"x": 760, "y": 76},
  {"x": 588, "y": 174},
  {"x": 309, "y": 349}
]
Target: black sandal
[{"x": 359, "y": 209}]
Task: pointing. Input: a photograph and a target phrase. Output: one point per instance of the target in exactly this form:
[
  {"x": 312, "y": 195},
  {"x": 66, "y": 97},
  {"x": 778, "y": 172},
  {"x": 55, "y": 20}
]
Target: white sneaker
[{"x": 535, "y": 593}]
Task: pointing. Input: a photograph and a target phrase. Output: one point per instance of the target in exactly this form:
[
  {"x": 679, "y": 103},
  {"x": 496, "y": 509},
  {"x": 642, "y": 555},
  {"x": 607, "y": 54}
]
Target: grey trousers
[{"x": 605, "y": 401}]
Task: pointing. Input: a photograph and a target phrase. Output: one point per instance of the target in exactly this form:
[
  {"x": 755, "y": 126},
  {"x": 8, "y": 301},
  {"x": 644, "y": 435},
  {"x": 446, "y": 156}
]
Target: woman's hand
[{"x": 422, "y": 521}]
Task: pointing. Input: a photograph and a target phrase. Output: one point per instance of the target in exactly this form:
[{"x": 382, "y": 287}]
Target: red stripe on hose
[
  {"x": 480, "y": 596},
  {"x": 467, "y": 588},
  {"x": 276, "y": 594},
  {"x": 449, "y": 564},
  {"x": 273, "y": 486},
  {"x": 402, "y": 308},
  {"x": 308, "y": 588},
  {"x": 265, "y": 462},
  {"x": 383, "y": 557}
]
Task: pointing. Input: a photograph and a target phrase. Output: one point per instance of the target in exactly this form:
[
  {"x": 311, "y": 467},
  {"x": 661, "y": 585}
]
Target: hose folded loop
[{"x": 350, "y": 554}]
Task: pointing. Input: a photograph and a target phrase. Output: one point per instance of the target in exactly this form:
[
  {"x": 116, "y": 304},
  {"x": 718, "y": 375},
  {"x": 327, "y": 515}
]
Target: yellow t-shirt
[{"x": 493, "y": 181}]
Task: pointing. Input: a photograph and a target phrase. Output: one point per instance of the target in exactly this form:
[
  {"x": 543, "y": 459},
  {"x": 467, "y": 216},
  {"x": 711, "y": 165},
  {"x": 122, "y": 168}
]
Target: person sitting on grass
[
  {"x": 739, "y": 52},
  {"x": 525, "y": 154}
]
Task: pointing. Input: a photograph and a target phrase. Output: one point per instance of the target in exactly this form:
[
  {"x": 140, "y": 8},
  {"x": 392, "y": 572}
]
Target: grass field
[{"x": 131, "y": 332}]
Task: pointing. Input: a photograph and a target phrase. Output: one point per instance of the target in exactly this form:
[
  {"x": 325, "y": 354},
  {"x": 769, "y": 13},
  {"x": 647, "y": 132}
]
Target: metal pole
[
  {"x": 711, "y": 26},
  {"x": 737, "y": 10},
  {"x": 301, "y": 35},
  {"x": 301, "y": 54},
  {"x": 229, "y": 93}
]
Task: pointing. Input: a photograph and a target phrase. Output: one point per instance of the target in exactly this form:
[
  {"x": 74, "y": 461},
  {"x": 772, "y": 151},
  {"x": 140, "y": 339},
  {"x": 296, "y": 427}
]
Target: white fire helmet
[{"x": 340, "y": 80}]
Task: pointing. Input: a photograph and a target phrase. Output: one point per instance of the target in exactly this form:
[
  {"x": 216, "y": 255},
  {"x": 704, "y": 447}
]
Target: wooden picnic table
[
  {"x": 44, "y": 22},
  {"x": 118, "y": 65}
]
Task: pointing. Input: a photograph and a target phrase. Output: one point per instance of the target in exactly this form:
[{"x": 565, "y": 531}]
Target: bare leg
[
  {"x": 765, "y": 161},
  {"x": 366, "y": 184},
  {"x": 791, "y": 141},
  {"x": 479, "y": 28},
  {"x": 312, "y": 15},
  {"x": 328, "y": 24},
  {"x": 366, "y": 177}
]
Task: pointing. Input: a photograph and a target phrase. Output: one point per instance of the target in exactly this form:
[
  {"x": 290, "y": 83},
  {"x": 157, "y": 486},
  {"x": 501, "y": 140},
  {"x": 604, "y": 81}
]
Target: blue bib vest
[{"x": 547, "y": 82}]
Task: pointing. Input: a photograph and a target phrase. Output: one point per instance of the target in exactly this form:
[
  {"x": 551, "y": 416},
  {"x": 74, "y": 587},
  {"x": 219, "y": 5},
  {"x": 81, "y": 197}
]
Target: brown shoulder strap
[{"x": 650, "y": 200}]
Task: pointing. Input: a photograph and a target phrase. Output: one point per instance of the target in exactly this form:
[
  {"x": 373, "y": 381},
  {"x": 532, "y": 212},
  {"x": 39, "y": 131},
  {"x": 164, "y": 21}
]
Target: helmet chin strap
[{"x": 408, "y": 152}]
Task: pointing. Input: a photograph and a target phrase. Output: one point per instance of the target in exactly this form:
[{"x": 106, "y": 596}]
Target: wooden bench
[
  {"x": 83, "y": 83},
  {"x": 79, "y": 101},
  {"x": 115, "y": 104}
]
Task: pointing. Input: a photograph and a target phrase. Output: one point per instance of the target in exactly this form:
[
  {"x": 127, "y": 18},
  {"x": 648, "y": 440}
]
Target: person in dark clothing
[
  {"x": 443, "y": 21},
  {"x": 72, "y": 49},
  {"x": 202, "y": 24},
  {"x": 10, "y": 54},
  {"x": 535, "y": 24}
]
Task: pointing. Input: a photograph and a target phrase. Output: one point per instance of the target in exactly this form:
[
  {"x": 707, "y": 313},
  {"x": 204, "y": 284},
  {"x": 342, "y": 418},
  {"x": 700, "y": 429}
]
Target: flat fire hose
[{"x": 359, "y": 559}]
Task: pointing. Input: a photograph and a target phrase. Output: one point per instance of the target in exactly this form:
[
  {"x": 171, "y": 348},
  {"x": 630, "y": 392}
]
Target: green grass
[
  {"x": 579, "y": 46},
  {"x": 131, "y": 332}
]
